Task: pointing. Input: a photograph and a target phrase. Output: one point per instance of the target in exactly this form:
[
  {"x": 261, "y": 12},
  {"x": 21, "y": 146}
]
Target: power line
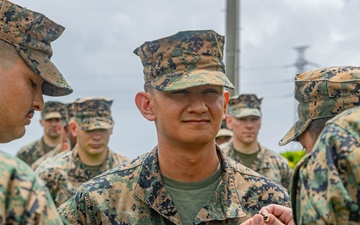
[{"x": 300, "y": 64}]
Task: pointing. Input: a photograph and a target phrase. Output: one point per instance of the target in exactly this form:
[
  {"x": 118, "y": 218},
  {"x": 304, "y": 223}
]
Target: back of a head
[{"x": 323, "y": 93}]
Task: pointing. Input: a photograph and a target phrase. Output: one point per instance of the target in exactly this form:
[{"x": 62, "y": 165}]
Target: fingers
[
  {"x": 262, "y": 220},
  {"x": 256, "y": 220},
  {"x": 280, "y": 213}
]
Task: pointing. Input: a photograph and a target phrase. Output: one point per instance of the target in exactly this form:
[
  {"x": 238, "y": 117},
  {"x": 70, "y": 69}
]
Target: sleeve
[
  {"x": 333, "y": 179},
  {"x": 24, "y": 197},
  {"x": 75, "y": 210}
]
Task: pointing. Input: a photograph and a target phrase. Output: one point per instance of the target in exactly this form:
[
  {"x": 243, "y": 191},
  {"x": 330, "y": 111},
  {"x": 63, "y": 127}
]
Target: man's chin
[{"x": 8, "y": 137}]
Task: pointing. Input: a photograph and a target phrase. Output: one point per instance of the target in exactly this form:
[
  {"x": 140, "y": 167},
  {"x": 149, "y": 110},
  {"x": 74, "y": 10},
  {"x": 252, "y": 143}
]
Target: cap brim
[
  {"x": 52, "y": 115},
  {"x": 247, "y": 112},
  {"x": 95, "y": 123},
  {"x": 193, "y": 78},
  {"x": 295, "y": 131},
  {"x": 55, "y": 84},
  {"x": 224, "y": 132}
]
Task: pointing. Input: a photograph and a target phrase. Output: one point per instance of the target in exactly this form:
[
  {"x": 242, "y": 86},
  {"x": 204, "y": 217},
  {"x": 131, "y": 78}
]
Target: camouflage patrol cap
[
  {"x": 323, "y": 93},
  {"x": 32, "y": 33},
  {"x": 93, "y": 113},
  {"x": 244, "y": 105},
  {"x": 224, "y": 132},
  {"x": 183, "y": 60},
  {"x": 54, "y": 110},
  {"x": 70, "y": 109}
]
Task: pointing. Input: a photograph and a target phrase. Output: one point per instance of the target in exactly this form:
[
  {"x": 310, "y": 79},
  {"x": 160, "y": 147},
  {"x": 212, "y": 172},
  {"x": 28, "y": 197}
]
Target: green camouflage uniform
[
  {"x": 325, "y": 184},
  {"x": 65, "y": 173},
  {"x": 134, "y": 193},
  {"x": 58, "y": 149},
  {"x": 267, "y": 163},
  {"x": 33, "y": 151},
  {"x": 331, "y": 175},
  {"x": 24, "y": 198},
  {"x": 30, "y": 202}
]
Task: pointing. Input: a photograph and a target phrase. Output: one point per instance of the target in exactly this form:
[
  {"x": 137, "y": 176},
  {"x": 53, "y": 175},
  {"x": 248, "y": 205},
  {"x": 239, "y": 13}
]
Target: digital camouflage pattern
[
  {"x": 53, "y": 109},
  {"x": 244, "y": 105},
  {"x": 134, "y": 193},
  {"x": 70, "y": 110},
  {"x": 24, "y": 198},
  {"x": 32, "y": 33},
  {"x": 93, "y": 113},
  {"x": 32, "y": 151},
  {"x": 327, "y": 189},
  {"x": 267, "y": 163},
  {"x": 183, "y": 60},
  {"x": 38, "y": 167},
  {"x": 57, "y": 150},
  {"x": 323, "y": 93},
  {"x": 66, "y": 173}
]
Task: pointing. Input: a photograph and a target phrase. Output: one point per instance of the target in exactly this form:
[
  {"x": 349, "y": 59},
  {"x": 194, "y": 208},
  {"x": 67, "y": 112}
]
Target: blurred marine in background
[
  {"x": 53, "y": 116},
  {"x": 91, "y": 155},
  {"x": 244, "y": 119}
]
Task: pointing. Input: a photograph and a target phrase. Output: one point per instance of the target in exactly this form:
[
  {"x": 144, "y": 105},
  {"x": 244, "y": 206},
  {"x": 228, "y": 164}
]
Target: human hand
[
  {"x": 282, "y": 213},
  {"x": 263, "y": 220}
]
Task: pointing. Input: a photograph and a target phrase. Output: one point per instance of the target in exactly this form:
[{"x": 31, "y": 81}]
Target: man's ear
[
  {"x": 143, "y": 103},
  {"x": 73, "y": 128},
  {"x": 228, "y": 120},
  {"x": 226, "y": 101}
]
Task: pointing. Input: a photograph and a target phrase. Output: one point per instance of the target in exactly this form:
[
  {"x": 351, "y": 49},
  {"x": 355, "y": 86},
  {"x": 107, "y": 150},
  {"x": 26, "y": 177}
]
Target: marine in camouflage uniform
[
  {"x": 184, "y": 80},
  {"x": 69, "y": 170},
  {"x": 266, "y": 162},
  {"x": 63, "y": 146},
  {"x": 331, "y": 174},
  {"x": 26, "y": 34},
  {"x": 323, "y": 189},
  {"x": 54, "y": 114}
]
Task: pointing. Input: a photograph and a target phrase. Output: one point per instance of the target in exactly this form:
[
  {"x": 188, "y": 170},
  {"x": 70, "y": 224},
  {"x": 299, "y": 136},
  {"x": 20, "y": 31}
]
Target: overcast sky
[{"x": 95, "y": 54}]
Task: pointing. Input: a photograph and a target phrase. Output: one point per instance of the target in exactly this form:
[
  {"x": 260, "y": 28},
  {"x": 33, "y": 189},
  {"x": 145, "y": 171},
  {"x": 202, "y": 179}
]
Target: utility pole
[
  {"x": 300, "y": 64},
  {"x": 232, "y": 38}
]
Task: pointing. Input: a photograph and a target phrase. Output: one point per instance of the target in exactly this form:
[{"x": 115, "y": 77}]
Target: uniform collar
[{"x": 225, "y": 203}]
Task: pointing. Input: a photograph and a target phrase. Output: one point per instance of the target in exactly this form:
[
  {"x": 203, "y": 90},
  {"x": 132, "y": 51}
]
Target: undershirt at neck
[{"x": 190, "y": 197}]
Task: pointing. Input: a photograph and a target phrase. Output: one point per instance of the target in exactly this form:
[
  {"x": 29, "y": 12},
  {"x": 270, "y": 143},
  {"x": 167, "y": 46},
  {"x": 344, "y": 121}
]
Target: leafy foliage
[{"x": 293, "y": 156}]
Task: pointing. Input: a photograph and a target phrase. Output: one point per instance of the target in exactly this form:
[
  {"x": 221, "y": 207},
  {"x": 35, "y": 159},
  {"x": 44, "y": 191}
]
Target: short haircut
[
  {"x": 316, "y": 126},
  {"x": 148, "y": 87},
  {"x": 8, "y": 54}
]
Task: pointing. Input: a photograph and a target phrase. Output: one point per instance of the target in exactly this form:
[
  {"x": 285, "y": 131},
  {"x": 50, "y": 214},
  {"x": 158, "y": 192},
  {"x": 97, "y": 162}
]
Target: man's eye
[
  {"x": 211, "y": 90},
  {"x": 180, "y": 92}
]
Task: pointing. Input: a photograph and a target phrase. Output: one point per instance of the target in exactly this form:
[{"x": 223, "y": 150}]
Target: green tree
[{"x": 293, "y": 156}]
